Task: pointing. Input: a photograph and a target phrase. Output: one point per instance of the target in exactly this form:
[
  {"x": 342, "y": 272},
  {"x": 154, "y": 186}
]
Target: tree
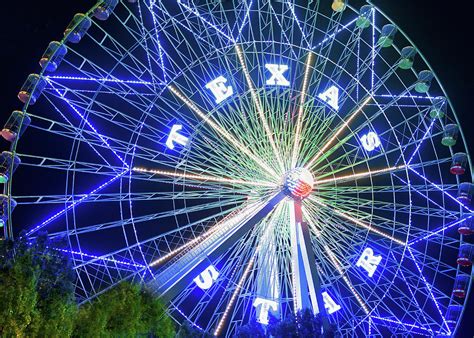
[
  {"x": 154, "y": 319},
  {"x": 302, "y": 325},
  {"x": 18, "y": 295},
  {"x": 37, "y": 288},
  {"x": 252, "y": 330},
  {"x": 125, "y": 310},
  {"x": 56, "y": 305}
]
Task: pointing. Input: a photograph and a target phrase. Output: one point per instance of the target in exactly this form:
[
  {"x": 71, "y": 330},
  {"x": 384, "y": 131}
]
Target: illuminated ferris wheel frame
[{"x": 285, "y": 187}]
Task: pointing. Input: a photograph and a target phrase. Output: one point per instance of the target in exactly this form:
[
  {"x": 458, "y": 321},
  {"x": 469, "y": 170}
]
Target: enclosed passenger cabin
[
  {"x": 338, "y": 5},
  {"x": 53, "y": 56},
  {"x": 465, "y": 192},
  {"x": 387, "y": 36},
  {"x": 423, "y": 83},
  {"x": 15, "y": 125},
  {"x": 8, "y": 165},
  {"x": 364, "y": 19},
  {"x": 452, "y": 315},
  {"x": 466, "y": 228},
  {"x": 31, "y": 89},
  {"x": 103, "y": 11},
  {"x": 439, "y": 108},
  {"x": 458, "y": 164},
  {"x": 5, "y": 203},
  {"x": 450, "y": 135},
  {"x": 465, "y": 254},
  {"x": 461, "y": 283},
  {"x": 77, "y": 28},
  {"x": 407, "y": 59}
]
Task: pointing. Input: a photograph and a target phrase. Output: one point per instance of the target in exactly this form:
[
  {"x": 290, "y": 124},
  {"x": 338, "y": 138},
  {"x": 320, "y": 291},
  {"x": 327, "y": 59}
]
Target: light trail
[
  {"x": 336, "y": 264},
  {"x": 221, "y": 131},
  {"x": 344, "y": 125},
  {"x": 235, "y": 294},
  {"x": 358, "y": 222},
  {"x": 204, "y": 178},
  {"x": 299, "y": 121},
  {"x": 359, "y": 175},
  {"x": 234, "y": 217},
  {"x": 258, "y": 105},
  {"x": 247, "y": 271}
]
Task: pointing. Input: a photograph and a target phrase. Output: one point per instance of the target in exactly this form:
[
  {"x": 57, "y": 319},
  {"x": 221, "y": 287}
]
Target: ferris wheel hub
[{"x": 299, "y": 183}]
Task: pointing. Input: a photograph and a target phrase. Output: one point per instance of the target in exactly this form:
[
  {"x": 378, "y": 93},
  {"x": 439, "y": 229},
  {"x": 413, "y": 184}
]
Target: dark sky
[{"x": 441, "y": 29}]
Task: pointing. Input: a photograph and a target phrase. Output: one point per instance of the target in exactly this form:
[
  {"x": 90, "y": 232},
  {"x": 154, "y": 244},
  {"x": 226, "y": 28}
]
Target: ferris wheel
[{"x": 248, "y": 159}]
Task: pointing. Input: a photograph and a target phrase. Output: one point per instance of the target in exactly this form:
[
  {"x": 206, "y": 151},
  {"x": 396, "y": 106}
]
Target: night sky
[{"x": 442, "y": 30}]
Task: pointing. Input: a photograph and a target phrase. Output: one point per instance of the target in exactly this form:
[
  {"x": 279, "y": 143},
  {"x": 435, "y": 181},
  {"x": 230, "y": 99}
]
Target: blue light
[
  {"x": 373, "y": 50},
  {"x": 93, "y": 79},
  {"x": 428, "y": 131},
  {"x": 440, "y": 189},
  {"x": 195, "y": 12},
  {"x": 419, "y": 192},
  {"x": 405, "y": 324},
  {"x": 446, "y": 227},
  {"x": 292, "y": 9},
  {"x": 409, "y": 96},
  {"x": 282, "y": 31},
  {"x": 186, "y": 317},
  {"x": 428, "y": 286},
  {"x": 409, "y": 289},
  {"x": 88, "y": 123},
  {"x": 246, "y": 17},
  {"x": 72, "y": 205},
  {"x": 331, "y": 36},
  {"x": 82, "y": 254},
  {"x": 160, "y": 49}
]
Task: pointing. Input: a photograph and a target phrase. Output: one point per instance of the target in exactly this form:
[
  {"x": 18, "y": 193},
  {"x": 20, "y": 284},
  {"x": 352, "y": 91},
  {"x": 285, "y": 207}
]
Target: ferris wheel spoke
[
  {"x": 155, "y": 243},
  {"x": 345, "y": 124},
  {"x": 134, "y": 66},
  {"x": 280, "y": 24},
  {"x": 261, "y": 275},
  {"x": 337, "y": 265},
  {"x": 113, "y": 49},
  {"x": 134, "y": 197},
  {"x": 69, "y": 165},
  {"x": 175, "y": 276},
  {"x": 299, "y": 120},
  {"x": 74, "y": 204},
  {"x": 361, "y": 175},
  {"x": 357, "y": 221},
  {"x": 429, "y": 288},
  {"x": 202, "y": 177},
  {"x": 373, "y": 205},
  {"x": 439, "y": 187},
  {"x": 207, "y": 23},
  {"x": 374, "y": 210},
  {"x": 66, "y": 130},
  {"x": 258, "y": 105},
  {"x": 220, "y": 131},
  {"x": 100, "y": 136},
  {"x": 103, "y": 110},
  {"x": 298, "y": 23}
]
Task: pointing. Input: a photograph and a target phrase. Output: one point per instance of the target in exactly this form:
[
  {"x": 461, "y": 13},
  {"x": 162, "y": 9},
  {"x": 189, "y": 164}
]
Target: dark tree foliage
[
  {"x": 251, "y": 330},
  {"x": 126, "y": 310},
  {"x": 37, "y": 289},
  {"x": 37, "y": 298},
  {"x": 303, "y": 325}
]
